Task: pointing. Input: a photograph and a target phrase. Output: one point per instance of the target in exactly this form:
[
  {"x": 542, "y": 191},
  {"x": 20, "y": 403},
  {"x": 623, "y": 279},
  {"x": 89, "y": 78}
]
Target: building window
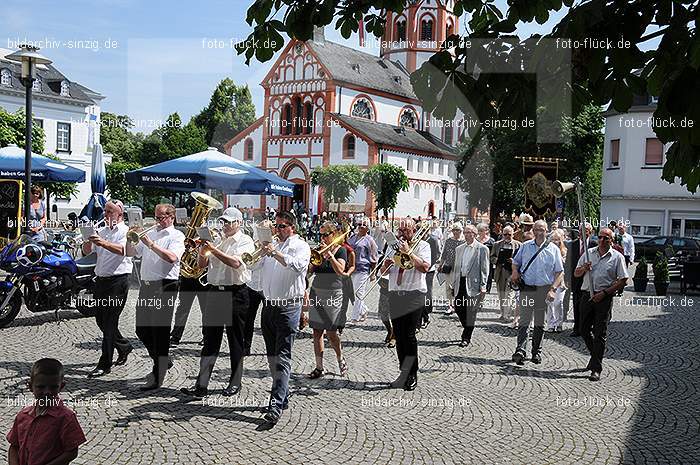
[
  {"x": 416, "y": 192},
  {"x": 65, "y": 89},
  {"x": 400, "y": 31},
  {"x": 349, "y": 146},
  {"x": 654, "y": 155},
  {"x": 426, "y": 29},
  {"x": 430, "y": 167},
  {"x": 362, "y": 109},
  {"x": 420, "y": 165},
  {"x": 409, "y": 164},
  {"x": 287, "y": 120},
  {"x": 408, "y": 118},
  {"x": 39, "y": 122},
  {"x": 309, "y": 118},
  {"x": 447, "y": 136},
  {"x": 63, "y": 137},
  {"x": 436, "y": 194},
  {"x": 614, "y": 153},
  {"x": 248, "y": 155},
  {"x": 36, "y": 85},
  {"x": 5, "y": 78},
  {"x": 298, "y": 117}
]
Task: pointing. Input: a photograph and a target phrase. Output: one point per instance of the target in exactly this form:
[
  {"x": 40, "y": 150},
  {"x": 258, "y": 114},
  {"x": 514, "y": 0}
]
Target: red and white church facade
[{"x": 329, "y": 104}]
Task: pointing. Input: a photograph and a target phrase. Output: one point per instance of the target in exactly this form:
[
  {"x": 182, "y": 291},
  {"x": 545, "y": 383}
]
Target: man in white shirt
[
  {"x": 284, "y": 285},
  {"x": 469, "y": 281},
  {"x": 627, "y": 244},
  {"x": 112, "y": 270},
  {"x": 407, "y": 297},
  {"x": 160, "y": 251},
  {"x": 226, "y": 303}
]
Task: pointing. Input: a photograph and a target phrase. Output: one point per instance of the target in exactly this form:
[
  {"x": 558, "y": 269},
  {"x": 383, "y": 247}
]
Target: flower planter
[
  {"x": 661, "y": 287},
  {"x": 640, "y": 285}
]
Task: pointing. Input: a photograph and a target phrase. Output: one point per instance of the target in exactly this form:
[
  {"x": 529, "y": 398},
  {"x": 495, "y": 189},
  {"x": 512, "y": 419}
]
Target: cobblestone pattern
[{"x": 472, "y": 405}]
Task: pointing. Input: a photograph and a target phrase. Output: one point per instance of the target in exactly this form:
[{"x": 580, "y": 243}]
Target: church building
[{"x": 329, "y": 104}]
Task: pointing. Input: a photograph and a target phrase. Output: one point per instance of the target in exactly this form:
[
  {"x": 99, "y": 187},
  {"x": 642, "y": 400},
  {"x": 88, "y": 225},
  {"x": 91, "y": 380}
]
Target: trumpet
[
  {"x": 134, "y": 236},
  {"x": 317, "y": 253},
  {"x": 252, "y": 258},
  {"x": 403, "y": 259}
]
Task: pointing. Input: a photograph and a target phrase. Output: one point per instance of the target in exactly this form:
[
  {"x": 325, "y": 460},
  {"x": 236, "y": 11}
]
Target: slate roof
[
  {"x": 363, "y": 69},
  {"x": 390, "y": 135},
  {"x": 51, "y": 79}
]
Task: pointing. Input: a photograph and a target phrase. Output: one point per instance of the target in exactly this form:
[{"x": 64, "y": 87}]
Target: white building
[
  {"x": 632, "y": 188},
  {"x": 69, "y": 114},
  {"x": 328, "y": 104}
]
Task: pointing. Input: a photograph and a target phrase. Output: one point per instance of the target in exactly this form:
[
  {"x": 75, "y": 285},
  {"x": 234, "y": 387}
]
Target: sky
[{"x": 152, "y": 58}]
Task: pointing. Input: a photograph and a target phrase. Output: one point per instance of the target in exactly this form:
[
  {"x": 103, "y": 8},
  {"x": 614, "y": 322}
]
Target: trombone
[
  {"x": 134, "y": 236},
  {"x": 252, "y": 258},
  {"x": 317, "y": 253}
]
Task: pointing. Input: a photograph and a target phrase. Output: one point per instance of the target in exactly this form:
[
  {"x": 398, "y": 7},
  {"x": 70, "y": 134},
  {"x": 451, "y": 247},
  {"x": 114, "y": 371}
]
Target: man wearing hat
[
  {"x": 226, "y": 303},
  {"x": 526, "y": 223}
]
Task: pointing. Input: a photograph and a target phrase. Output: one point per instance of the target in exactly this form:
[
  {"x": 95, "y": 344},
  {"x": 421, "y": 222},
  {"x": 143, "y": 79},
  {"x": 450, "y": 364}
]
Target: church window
[
  {"x": 408, "y": 118},
  {"x": 297, "y": 115},
  {"x": 362, "y": 109},
  {"x": 248, "y": 149},
  {"x": 447, "y": 136},
  {"x": 426, "y": 30},
  {"x": 416, "y": 192},
  {"x": 349, "y": 146},
  {"x": 309, "y": 118},
  {"x": 287, "y": 121},
  {"x": 400, "y": 31}
]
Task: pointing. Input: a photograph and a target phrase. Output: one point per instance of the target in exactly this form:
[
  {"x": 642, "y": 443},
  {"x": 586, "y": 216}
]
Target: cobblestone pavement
[{"x": 472, "y": 405}]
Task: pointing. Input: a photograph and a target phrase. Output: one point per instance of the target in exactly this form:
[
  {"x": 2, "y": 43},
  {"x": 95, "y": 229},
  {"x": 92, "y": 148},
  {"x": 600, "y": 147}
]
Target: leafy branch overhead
[{"x": 467, "y": 76}]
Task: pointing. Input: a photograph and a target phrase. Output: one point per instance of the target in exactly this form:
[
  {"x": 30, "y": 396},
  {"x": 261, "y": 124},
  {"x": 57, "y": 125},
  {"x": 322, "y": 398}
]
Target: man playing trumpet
[
  {"x": 226, "y": 303},
  {"x": 407, "y": 294}
]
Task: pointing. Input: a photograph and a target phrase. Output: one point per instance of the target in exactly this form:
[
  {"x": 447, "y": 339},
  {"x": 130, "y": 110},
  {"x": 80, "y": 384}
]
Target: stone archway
[{"x": 295, "y": 172}]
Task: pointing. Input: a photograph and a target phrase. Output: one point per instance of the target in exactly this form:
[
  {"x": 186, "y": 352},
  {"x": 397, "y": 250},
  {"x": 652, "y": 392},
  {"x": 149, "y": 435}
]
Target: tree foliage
[
  {"x": 230, "y": 111},
  {"x": 337, "y": 181},
  {"x": 385, "y": 181},
  {"x": 456, "y": 78}
]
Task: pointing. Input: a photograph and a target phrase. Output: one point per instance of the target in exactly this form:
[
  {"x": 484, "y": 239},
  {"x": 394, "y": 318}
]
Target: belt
[
  {"x": 161, "y": 282},
  {"x": 402, "y": 293},
  {"x": 105, "y": 278},
  {"x": 230, "y": 287}
]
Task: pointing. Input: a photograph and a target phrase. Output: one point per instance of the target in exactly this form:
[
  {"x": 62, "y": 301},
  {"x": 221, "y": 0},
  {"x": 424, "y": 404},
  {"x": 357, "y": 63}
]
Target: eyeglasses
[
  {"x": 162, "y": 217},
  {"x": 281, "y": 226},
  {"x": 507, "y": 234},
  {"x": 607, "y": 238},
  {"x": 326, "y": 234}
]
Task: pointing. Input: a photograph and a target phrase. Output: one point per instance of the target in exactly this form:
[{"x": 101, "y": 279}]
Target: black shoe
[
  {"x": 201, "y": 342},
  {"x": 196, "y": 391},
  {"x": 98, "y": 372},
  {"x": 574, "y": 333},
  {"x": 149, "y": 387},
  {"x": 464, "y": 343},
  {"x": 271, "y": 418},
  {"x": 399, "y": 382},
  {"x": 518, "y": 358},
  {"x": 231, "y": 390},
  {"x": 411, "y": 383},
  {"x": 537, "y": 358},
  {"x": 121, "y": 360},
  {"x": 174, "y": 342},
  {"x": 590, "y": 365},
  {"x": 425, "y": 324},
  {"x": 595, "y": 376}
]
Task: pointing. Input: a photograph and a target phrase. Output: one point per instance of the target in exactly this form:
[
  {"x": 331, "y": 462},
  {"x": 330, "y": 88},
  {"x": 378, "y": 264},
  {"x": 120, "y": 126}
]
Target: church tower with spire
[{"x": 413, "y": 36}]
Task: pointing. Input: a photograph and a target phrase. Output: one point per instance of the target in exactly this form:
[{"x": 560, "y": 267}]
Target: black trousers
[
  {"x": 189, "y": 289},
  {"x": 466, "y": 308},
  {"x": 576, "y": 294},
  {"x": 594, "y": 328},
  {"x": 110, "y": 296},
  {"x": 406, "y": 309},
  {"x": 428, "y": 307},
  {"x": 254, "y": 299},
  {"x": 225, "y": 309},
  {"x": 154, "y": 314}
]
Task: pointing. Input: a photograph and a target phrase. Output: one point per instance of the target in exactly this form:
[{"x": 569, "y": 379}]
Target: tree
[
  {"x": 599, "y": 74},
  {"x": 230, "y": 110},
  {"x": 117, "y": 185},
  {"x": 337, "y": 181},
  {"x": 13, "y": 127},
  {"x": 385, "y": 181},
  {"x": 117, "y": 139}
]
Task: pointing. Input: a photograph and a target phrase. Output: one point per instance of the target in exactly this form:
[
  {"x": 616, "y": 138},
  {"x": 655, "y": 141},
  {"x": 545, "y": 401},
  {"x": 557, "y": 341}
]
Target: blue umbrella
[
  {"x": 95, "y": 208},
  {"x": 210, "y": 169},
  {"x": 43, "y": 168}
]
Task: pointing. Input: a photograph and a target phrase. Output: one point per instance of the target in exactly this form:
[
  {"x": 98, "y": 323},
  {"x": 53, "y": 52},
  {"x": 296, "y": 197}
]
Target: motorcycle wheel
[{"x": 10, "y": 312}]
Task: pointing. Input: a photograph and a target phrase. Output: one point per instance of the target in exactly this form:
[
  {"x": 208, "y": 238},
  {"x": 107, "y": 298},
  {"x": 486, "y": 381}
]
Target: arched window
[
  {"x": 349, "y": 146},
  {"x": 65, "y": 89},
  {"x": 5, "y": 78},
  {"x": 426, "y": 29},
  {"x": 287, "y": 120},
  {"x": 309, "y": 118},
  {"x": 297, "y": 115},
  {"x": 416, "y": 192},
  {"x": 447, "y": 134},
  {"x": 248, "y": 152},
  {"x": 36, "y": 85},
  {"x": 362, "y": 109},
  {"x": 400, "y": 30},
  {"x": 420, "y": 165},
  {"x": 408, "y": 118},
  {"x": 436, "y": 193}
]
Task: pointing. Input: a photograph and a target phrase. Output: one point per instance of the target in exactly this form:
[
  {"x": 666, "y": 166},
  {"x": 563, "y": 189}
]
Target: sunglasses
[
  {"x": 281, "y": 226},
  {"x": 159, "y": 218},
  {"x": 326, "y": 234}
]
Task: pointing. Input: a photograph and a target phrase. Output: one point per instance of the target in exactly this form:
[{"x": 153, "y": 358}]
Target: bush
[
  {"x": 642, "y": 270},
  {"x": 661, "y": 268}
]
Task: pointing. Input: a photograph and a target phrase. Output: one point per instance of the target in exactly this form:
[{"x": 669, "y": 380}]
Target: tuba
[{"x": 200, "y": 213}]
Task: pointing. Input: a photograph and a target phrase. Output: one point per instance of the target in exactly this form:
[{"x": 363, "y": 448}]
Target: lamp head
[{"x": 29, "y": 56}]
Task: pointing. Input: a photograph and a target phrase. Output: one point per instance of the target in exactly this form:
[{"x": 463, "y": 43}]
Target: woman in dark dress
[{"x": 325, "y": 300}]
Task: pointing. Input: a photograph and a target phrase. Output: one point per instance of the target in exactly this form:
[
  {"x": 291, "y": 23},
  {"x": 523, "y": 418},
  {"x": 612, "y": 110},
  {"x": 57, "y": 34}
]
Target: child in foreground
[{"x": 46, "y": 432}]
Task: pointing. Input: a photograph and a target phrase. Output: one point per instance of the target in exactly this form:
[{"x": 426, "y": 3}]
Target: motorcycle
[{"x": 44, "y": 278}]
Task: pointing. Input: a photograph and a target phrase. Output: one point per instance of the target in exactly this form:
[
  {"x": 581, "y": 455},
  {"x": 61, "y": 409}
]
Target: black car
[{"x": 649, "y": 247}]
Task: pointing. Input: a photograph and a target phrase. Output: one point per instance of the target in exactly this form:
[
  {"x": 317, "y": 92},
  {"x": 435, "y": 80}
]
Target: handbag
[{"x": 446, "y": 269}]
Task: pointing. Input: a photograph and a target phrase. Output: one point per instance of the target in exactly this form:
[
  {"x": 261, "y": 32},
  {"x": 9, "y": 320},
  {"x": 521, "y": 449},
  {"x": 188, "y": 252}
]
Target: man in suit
[
  {"x": 471, "y": 272},
  {"x": 502, "y": 262},
  {"x": 576, "y": 252}
]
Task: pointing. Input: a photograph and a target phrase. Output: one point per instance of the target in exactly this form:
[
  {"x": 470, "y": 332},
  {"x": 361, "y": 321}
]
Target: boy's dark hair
[
  {"x": 288, "y": 217},
  {"x": 48, "y": 367}
]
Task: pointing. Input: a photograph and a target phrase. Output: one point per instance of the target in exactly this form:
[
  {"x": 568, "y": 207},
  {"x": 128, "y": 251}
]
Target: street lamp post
[
  {"x": 29, "y": 57},
  {"x": 444, "y": 185}
]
